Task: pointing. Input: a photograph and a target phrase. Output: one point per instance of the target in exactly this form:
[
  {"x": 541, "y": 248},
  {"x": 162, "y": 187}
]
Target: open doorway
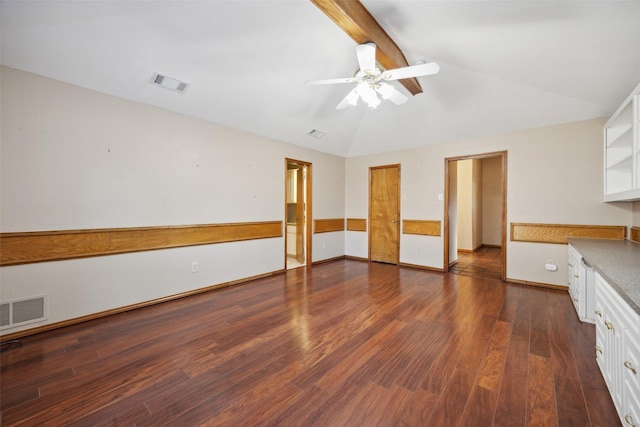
[
  {"x": 475, "y": 215},
  {"x": 297, "y": 213}
]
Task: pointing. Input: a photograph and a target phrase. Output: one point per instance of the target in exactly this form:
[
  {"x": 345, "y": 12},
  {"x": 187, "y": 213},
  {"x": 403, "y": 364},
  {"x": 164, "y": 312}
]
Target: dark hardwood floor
[
  {"x": 485, "y": 262},
  {"x": 344, "y": 343}
]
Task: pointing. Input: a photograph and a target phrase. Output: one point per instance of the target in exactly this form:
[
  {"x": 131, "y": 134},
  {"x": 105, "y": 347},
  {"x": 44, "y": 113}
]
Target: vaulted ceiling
[{"x": 505, "y": 65}]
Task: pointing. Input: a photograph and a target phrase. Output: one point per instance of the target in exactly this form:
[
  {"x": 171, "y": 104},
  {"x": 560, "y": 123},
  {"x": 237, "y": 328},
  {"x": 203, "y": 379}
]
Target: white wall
[
  {"x": 465, "y": 204},
  {"x": 476, "y": 200},
  {"x": 554, "y": 176},
  {"x": 74, "y": 159},
  {"x": 636, "y": 214},
  {"x": 469, "y": 220},
  {"x": 453, "y": 212},
  {"x": 491, "y": 201}
]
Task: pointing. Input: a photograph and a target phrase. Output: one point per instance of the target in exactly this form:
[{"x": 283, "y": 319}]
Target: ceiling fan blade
[
  {"x": 392, "y": 94},
  {"x": 412, "y": 71},
  {"x": 366, "y": 56},
  {"x": 349, "y": 100},
  {"x": 331, "y": 81}
]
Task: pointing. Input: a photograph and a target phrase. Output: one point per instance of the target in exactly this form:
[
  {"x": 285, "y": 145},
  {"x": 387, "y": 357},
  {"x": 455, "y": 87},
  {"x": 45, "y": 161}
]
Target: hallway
[{"x": 485, "y": 262}]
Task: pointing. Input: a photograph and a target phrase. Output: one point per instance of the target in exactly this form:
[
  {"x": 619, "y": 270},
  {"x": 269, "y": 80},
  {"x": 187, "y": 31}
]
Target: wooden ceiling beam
[{"x": 361, "y": 26}]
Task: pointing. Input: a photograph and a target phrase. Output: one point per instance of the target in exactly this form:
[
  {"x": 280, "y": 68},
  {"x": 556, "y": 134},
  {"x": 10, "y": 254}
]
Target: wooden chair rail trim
[
  {"x": 558, "y": 233},
  {"x": 421, "y": 227},
  {"x": 41, "y": 246},
  {"x": 635, "y": 234},
  {"x": 328, "y": 225},
  {"x": 356, "y": 224}
]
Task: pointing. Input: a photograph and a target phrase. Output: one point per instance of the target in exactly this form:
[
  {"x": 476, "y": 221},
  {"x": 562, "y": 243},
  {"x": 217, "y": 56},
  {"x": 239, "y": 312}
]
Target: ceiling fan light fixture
[
  {"x": 369, "y": 75},
  {"x": 352, "y": 98},
  {"x": 385, "y": 90},
  {"x": 368, "y": 95}
]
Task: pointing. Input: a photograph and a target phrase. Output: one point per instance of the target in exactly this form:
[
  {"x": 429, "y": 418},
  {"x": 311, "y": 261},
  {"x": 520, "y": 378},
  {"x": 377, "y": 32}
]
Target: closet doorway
[
  {"x": 475, "y": 215},
  {"x": 384, "y": 214},
  {"x": 297, "y": 213}
]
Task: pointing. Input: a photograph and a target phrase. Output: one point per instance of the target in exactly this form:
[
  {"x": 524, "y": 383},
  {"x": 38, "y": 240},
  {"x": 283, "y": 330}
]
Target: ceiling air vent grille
[
  {"x": 168, "y": 83},
  {"x": 316, "y": 133}
]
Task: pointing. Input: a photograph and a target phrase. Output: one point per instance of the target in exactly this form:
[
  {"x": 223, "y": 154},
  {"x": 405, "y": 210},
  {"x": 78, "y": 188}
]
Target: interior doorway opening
[
  {"x": 475, "y": 215},
  {"x": 297, "y": 213}
]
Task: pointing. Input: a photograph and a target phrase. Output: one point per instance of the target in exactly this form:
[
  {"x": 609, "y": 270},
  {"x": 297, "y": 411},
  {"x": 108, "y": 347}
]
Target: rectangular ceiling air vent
[
  {"x": 316, "y": 133},
  {"x": 168, "y": 83}
]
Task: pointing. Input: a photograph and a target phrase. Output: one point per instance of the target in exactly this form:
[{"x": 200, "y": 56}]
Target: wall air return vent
[
  {"x": 23, "y": 311},
  {"x": 168, "y": 83}
]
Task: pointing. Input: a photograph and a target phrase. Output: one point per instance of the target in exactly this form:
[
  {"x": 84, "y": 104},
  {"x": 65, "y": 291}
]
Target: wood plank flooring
[
  {"x": 344, "y": 343},
  {"x": 485, "y": 262}
]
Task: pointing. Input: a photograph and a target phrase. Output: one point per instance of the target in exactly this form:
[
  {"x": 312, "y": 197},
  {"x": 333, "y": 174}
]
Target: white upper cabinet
[{"x": 622, "y": 151}]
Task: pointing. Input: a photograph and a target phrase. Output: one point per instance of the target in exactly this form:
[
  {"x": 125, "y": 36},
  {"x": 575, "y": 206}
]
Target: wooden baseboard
[
  {"x": 356, "y": 258},
  {"x": 469, "y": 251},
  {"x": 95, "y": 316},
  {"x": 537, "y": 284},
  {"x": 421, "y": 267},
  {"x": 322, "y": 261}
]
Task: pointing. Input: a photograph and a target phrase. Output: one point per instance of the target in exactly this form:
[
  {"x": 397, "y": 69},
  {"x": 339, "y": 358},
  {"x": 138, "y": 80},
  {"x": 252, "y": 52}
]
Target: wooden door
[{"x": 384, "y": 214}]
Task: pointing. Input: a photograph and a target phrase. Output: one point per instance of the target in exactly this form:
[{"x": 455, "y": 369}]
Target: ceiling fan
[{"x": 370, "y": 79}]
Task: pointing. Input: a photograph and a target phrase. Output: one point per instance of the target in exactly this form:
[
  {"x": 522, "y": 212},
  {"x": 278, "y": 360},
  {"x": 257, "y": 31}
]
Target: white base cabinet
[
  {"x": 581, "y": 286},
  {"x": 618, "y": 350}
]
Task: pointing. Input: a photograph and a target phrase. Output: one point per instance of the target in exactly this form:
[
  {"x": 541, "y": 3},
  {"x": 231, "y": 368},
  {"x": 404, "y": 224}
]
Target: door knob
[{"x": 394, "y": 220}]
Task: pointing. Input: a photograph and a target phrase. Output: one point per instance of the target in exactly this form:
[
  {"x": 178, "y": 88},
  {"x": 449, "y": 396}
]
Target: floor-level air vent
[
  {"x": 19, "y": 312},
  {"x": 168, "y": 83}
]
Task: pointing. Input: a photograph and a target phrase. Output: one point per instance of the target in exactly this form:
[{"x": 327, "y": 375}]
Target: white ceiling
[{"x": 505, "y": 65}]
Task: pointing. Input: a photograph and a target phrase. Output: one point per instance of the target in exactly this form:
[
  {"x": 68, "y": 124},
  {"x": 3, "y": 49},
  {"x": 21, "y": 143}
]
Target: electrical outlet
[
  {"x": 324, "y": 245},
  {"x": 195, "y": 267}
]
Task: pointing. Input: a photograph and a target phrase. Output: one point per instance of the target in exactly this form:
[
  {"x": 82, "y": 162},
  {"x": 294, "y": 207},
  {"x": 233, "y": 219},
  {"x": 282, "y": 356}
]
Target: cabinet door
[
  {"x": 631, "y": 411},
  {"x": 573, "y": 279},
  {"x": 610, "y": 329},
  {"x": 622, "y": 151},
  {"x": 631, "y": 366}
]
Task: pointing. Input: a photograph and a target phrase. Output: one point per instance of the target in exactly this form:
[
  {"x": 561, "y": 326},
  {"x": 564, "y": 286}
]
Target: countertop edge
[{"x": 587, "y": 249}]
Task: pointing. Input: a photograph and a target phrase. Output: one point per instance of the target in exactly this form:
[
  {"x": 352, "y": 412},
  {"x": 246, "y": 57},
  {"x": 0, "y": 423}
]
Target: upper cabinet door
[{"x": 622, "y": 151}]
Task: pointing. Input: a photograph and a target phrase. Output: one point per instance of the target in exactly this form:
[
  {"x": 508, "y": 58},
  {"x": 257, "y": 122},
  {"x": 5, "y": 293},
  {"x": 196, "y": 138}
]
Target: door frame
[
  {"x": 503, "y": 187},
  {"x": 371, "y": 168},
  {"x": 307, "y": 210}
]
